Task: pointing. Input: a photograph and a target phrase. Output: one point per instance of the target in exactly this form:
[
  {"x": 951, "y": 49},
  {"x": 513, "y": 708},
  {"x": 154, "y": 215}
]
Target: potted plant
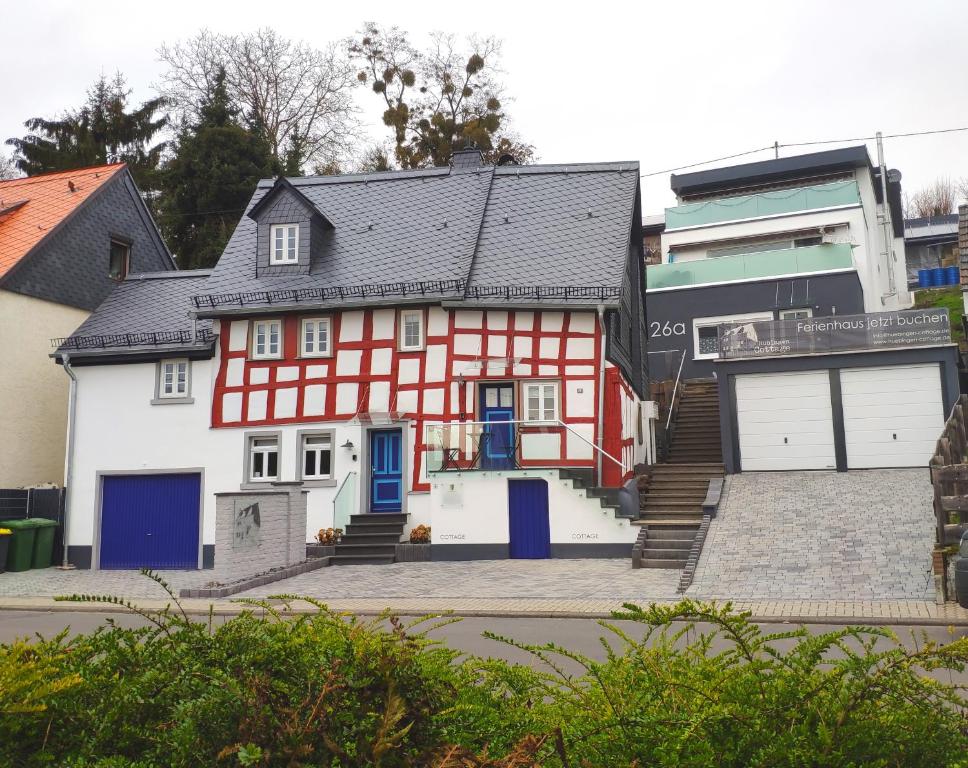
[
  {"x": 326, "y": 539},
  {"x": 418, "y": 550},
  {"x": 5, "y": 534}
]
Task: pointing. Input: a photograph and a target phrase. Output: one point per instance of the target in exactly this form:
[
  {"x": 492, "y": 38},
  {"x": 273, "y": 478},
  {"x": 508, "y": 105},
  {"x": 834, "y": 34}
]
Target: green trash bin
[
  {"x": 21, "y": 552},
  {"x": 43, "y": 541}
]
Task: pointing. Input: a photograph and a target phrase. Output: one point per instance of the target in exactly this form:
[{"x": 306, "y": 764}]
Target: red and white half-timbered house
[{"x": 459, "y": 347}]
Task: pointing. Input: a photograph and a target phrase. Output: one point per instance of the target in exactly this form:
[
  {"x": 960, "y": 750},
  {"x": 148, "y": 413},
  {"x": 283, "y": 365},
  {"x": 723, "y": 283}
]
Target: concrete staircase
[
  {"x": 370, "y": 539},
  {"x": 583, "y": 479},
  {"x": 672, "y": 494}
]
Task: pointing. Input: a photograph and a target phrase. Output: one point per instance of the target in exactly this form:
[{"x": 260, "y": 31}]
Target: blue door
[
  {"x": 386, "y": 470},
  {"x": 497, "y": 440},
  {"x": 530, "y": 531},
  {"x": 150, "y": 521}
]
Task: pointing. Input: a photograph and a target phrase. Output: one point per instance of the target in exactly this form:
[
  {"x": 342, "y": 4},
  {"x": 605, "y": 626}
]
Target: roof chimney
[{"x": 466, "y": 159}]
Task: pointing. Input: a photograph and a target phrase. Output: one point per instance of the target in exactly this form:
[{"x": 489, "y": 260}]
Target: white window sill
[
  {"x": 319, "y": 483},
  {"x": 258, "y": 485},
  {"x": 172, "y": 400}
]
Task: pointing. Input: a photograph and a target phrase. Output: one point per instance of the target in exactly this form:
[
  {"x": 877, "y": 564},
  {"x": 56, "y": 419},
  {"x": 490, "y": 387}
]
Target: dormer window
[{"x": 284, "y": 244}]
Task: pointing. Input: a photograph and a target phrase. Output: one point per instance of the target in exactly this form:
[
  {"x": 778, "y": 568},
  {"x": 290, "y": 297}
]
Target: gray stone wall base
[
  {"x": 583, "y": 550},
  {"x": 468, "y": 551},
  {"x": 257, "y": 581},
  {"x": 413, "y": 553},
  {"x": 320, "y": 550}
]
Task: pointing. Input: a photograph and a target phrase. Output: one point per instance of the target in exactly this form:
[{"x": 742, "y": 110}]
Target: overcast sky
[{"x": 666, "y": 84}]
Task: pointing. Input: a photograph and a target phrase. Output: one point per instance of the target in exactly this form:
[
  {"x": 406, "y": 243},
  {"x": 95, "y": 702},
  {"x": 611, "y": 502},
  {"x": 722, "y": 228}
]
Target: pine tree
[
  {"x": 209, "y": 180},
  {"x": 102, "y": 131}
]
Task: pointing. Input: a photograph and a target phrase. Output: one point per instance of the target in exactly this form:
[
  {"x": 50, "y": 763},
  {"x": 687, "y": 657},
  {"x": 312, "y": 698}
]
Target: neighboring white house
[
  {"x": 802, "y": 236},
  {"x": 460, "y": 347}
]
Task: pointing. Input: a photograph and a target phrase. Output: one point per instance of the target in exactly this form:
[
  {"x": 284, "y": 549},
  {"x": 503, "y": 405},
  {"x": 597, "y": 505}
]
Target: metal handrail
[
  {"x": 555, "y": 422},
  {"x": 675, "y": 388}
]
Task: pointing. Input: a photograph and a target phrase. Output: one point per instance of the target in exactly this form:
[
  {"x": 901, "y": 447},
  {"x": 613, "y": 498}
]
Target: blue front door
[
  {"x": 497, "y": 439},
  {"x": 528, "y": 525},
  {"x": 386, "y": 470},
  {"x": 150, "y": 521}
]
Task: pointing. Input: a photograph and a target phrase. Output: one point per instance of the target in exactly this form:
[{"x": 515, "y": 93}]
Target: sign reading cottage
[{"x": 458, "y": 347}]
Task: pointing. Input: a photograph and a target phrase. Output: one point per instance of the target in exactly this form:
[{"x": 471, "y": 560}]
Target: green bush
[{"x": 322, "y": 689}]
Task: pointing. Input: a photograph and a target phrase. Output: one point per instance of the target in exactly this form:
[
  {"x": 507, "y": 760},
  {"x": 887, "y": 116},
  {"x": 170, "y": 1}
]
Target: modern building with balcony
[{"x": 813, "y": 235}]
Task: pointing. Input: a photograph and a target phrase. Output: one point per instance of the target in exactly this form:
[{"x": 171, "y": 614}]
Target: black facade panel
[
  {"x": 71, "y": 266},
  {"x": 671, "y": 313}
]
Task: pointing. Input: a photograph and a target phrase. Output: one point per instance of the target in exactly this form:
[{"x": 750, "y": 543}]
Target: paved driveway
[{"x": 862, "y": 535}]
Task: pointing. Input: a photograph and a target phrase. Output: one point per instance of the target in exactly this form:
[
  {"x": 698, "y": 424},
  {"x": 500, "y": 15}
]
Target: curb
[{"x": 194, "y": 607}]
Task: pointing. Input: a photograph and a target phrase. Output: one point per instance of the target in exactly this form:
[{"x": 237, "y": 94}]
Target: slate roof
[
  {"x": 482, "y": 232},
  {"x": 32, "y": 207},
  {"x": 146, "y": 311}
]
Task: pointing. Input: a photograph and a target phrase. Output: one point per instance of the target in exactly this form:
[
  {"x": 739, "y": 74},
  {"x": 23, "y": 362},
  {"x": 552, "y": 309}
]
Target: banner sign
[{"x": 839, "y": 333}]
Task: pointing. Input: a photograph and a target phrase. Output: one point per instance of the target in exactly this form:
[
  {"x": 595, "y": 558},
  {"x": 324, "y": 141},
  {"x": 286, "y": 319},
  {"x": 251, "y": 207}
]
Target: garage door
[
  {"x": 785, "y": 421},
  {"x": 892, "y": 415},
  {"x": 150, "y": 521}
]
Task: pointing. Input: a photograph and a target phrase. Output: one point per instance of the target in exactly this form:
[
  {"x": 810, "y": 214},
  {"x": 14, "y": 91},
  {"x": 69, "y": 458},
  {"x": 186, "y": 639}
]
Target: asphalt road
[{"x": 581, "y": 635}]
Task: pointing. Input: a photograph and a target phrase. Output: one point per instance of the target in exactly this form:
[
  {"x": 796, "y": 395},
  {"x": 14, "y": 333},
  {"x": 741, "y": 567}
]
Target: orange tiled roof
[{"x": 31, "y": 207}]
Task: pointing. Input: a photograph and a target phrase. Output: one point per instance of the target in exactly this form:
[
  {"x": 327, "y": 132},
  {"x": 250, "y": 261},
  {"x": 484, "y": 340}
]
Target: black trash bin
[{"x": 961, "y": 573}]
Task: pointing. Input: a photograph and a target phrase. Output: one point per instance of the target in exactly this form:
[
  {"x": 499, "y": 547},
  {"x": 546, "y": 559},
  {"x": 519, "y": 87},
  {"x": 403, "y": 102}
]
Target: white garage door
[
  {"x": 893, "y": 416},
  {"x": 785, "y": 421}
]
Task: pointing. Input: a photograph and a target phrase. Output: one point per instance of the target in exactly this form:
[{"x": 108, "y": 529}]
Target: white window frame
[
  {"x": 705, "y": 322},
  {"x": 790, "y": 314},
  {"x": 543, "y": 416},
  {"x": 252, "y": 449},
  {"x": 304, "y": 437},
  {"x": 315, "y": 351},
  {"x": 402, "y": 340},
  {"x": 282, "y": 257},
  {"x": 181, "y": 371},
  {"x": 267, "y": 353}
]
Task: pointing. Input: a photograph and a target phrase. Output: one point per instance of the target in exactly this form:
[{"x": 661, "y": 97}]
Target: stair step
[
  {"x": 665, "y": 544},
  {"x": 673, "y": 533},
  {"x": 659, "y": 553},
  {"x": 382, "y": 550},
  {"x": 360, "y": 560},
  {"x": 648, "y": 562},
  {"x": 675, "y": 521},
  {"x": 391, "y": 537},
  {"x": 380, "y": 517},
  {"x": 354, "y": 529}
]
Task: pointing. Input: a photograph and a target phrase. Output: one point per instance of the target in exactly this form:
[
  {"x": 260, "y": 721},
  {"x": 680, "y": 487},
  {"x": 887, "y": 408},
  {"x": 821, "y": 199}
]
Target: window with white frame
[
  {"x": 317, "y": 456},
  {"x": 266, "y": 339},
  {"x": 173, "y": 379},
  {"x": 411, "y": 330},
  {"x": 315, "y": 337},
  {"x": 284, "y": 244},
  {"x": 541, "y": 400},
  {"x": 796, "y": 314},
  {"x": 263, "y": 458},
  {"x": 705, "y": 332}
]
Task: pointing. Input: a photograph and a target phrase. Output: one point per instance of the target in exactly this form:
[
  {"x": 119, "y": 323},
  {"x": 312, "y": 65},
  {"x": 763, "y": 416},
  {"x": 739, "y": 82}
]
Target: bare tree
[
  {"x": 937, "y": 199},
  {"x": 8, "y": 168},
  {"x": 299, "y": 97}
]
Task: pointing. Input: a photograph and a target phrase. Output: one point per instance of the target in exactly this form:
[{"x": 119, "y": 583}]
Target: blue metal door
[
  {"x": 150, "y": 521},
  {"x": 386, "y": 470},
  {"x": 529, "y": 529},
  {"x": 497, "y": 440}
]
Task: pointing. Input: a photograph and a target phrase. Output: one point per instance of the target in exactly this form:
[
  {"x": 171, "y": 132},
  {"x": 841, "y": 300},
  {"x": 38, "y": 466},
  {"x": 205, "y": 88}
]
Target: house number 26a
[{"x": 657, "y": 329}]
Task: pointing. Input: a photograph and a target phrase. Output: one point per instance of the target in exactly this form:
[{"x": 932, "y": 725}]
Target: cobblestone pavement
[
  {"x": 572, "y": 579},
  {"x": 848, "y": 536}
]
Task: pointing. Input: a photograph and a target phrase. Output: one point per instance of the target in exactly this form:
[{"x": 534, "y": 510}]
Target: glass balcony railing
[
  {"x": 775, "y": 203},
  {"x": 751, "y": 266}
]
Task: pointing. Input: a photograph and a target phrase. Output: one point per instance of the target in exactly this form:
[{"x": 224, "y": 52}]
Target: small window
[
  {"x": 284, "y": 244},
  {"x": 119, "y": 260},
  {"x": 796, "y": 314},
  {"x": 315, "y": 337},
  {"x": 411, "y": 330},
  {"x": 317, "y": 457},
  {"x": 263, "y": 459},
  {"x": 266, "y": 339},
  {"x": 708, "y": 340},
  {"x": 541, "y": 401},
  {"x": 173, "y": 379},
  {"x": 805, "y": 242}
]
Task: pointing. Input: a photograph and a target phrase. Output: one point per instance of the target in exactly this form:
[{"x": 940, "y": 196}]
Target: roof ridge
[
  {"x": 171, "y": 274},
  {"x": 70, "y": 171}
]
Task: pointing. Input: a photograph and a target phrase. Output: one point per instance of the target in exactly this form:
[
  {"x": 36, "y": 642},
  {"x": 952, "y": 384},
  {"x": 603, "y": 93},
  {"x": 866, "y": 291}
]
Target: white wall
[{"x": 472, "y": 508}]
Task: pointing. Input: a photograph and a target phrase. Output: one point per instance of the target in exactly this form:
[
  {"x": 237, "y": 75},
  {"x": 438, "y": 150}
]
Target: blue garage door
[
  {"x": 150, "y": 521},
  {"x": 530, "y": 532}
]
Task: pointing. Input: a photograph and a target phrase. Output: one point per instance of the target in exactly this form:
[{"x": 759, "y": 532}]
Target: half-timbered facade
[{"x": 425, "y": 343}]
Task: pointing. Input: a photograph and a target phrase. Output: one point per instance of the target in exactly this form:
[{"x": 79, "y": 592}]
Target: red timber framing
[{"x": 366, "y": 373}]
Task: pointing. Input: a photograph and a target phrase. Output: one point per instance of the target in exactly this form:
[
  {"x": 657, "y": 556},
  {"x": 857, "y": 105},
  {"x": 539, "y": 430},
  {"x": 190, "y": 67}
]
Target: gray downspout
[
  {"x": 601, "y": 398},
  {"x": 69, "y": 457}
]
